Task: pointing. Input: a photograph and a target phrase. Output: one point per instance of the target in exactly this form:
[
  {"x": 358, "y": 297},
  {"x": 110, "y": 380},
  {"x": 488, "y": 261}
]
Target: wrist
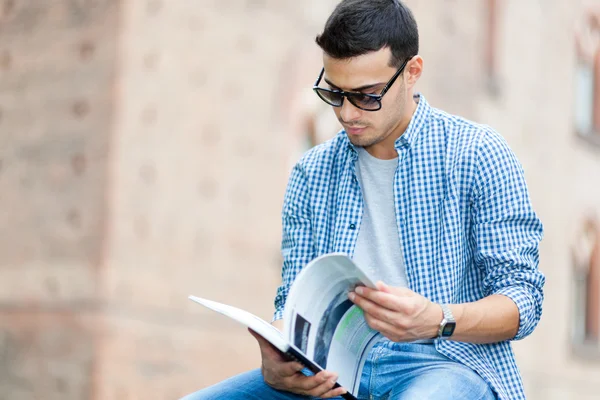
[
  {"x": 437, "y": 315},
  {"x": 448, "y": 324}
]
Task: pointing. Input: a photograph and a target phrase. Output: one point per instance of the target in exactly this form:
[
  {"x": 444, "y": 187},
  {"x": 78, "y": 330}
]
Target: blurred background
[{"x": 144, "y": 151}]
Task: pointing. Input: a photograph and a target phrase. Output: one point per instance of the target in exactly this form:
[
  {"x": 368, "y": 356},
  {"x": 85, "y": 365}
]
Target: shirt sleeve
[
  {"x": 297, "y": 244},
  {"x": 507, "y": 231}
]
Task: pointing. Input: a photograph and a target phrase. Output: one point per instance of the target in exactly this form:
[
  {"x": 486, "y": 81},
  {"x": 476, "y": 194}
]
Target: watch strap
[{"x": 447, "y": 321}]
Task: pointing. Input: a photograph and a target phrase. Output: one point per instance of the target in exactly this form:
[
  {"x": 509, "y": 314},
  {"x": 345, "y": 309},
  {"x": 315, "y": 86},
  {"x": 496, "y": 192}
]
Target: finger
[
  {"x": 398, "y": 291},
  {"x": 308, "y": 383},
  {"x": 380, "y": 285},
  {"x": 374, "y": 309},
  {"x": 334, "y": 393},
  {"x": 391, "y": 301},
  {"x": 320, "y": 390},
  {"x": 288, "y": 369}
]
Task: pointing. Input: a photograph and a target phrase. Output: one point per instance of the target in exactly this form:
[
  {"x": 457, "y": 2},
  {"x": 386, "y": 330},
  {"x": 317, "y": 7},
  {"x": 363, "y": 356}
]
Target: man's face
[{"x": 370, "y": 73}]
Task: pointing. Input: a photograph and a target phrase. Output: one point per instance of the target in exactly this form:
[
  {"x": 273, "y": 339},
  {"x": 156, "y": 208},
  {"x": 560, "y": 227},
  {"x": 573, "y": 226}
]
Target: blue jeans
[{"x": 394, "y": 371}]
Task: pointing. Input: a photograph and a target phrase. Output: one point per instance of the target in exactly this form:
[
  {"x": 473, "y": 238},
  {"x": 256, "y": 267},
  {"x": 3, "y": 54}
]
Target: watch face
[{"x": 449, "y": 329}]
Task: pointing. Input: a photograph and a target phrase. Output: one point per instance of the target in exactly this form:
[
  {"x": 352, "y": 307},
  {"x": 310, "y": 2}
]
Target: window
[
  {"x": 586, "y": 290},
  {"x": 490, "y": 58},
  {"x": 587, "y": 79}
]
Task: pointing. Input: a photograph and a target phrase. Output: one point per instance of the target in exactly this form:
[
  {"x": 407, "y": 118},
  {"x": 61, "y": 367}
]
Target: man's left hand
[{"x": 399, "y": 314}]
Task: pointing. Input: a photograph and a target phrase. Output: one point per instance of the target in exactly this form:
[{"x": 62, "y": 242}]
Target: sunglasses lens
[
  {"x": 365, "y": 102},
  {"x": 359, "y": 100},
  {"x": 330, "y": 97}
]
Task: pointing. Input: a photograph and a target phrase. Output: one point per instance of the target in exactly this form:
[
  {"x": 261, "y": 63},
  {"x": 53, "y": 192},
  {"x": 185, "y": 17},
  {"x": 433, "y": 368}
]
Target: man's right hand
[{"x": 281, "y": 374}]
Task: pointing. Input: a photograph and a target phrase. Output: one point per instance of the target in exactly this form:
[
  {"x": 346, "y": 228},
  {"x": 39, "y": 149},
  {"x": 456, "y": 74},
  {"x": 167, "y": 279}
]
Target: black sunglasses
[{"x": 364, "y": 101}]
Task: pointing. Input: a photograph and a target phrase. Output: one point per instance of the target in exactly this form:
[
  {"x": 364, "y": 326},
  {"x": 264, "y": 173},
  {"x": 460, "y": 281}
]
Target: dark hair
[{"x": 358, "y": 27}]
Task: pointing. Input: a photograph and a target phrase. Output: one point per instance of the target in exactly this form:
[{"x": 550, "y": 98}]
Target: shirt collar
[{"x": 416, "y": 125}]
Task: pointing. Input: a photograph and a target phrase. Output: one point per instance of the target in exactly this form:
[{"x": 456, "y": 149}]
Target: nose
[{"x": 349, "y": 112}]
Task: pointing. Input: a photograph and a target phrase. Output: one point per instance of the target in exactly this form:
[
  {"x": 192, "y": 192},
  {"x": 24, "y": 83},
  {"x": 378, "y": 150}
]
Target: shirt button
[{"x": 352, "y": 226}]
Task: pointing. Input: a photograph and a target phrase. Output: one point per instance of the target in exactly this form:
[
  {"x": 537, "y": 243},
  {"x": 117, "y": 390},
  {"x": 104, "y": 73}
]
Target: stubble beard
[
  {"x": 376, "y": 136},
  {"x": 367, "y": 140}
]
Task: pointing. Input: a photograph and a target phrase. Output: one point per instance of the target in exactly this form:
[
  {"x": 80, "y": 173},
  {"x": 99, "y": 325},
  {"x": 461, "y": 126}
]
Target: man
[{"x": 434, "y": 205}]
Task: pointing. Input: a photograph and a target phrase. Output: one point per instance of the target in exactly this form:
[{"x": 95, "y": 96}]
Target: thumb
[
  {"x": 398, "y": 291},
  {"x": 383, "y": 287},
  {"x": 266, "y": 348}
]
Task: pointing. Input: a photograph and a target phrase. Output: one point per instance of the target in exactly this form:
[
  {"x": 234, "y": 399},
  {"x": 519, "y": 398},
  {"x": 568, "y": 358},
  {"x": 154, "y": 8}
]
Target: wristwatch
[{"x": 448, "y": 323}]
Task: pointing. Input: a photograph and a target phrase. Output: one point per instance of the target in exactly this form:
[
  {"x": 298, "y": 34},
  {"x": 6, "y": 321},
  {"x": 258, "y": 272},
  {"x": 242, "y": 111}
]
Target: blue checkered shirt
[{"x": 464, "y": 218}]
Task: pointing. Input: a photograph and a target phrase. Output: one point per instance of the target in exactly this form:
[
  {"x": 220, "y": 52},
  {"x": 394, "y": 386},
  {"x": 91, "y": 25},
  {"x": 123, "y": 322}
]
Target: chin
[{"x": 362, "y": 141}]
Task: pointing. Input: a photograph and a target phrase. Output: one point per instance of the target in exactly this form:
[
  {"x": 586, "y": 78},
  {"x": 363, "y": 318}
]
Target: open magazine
[{"x": 322, "y": 329}]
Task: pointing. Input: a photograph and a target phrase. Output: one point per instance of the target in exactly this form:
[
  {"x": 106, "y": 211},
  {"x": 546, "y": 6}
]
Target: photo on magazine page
[
  {"x": 328, "y": 325},
  {"x": 301, "y": 332}
]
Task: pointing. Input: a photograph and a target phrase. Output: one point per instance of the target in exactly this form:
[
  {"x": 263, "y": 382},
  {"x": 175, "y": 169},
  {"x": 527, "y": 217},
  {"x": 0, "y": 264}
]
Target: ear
[{"x": 414, "y": 69}]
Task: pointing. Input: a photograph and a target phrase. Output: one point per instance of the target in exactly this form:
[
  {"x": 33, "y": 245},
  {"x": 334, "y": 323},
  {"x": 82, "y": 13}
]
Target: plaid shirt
[{"x": 464, "y": 218}]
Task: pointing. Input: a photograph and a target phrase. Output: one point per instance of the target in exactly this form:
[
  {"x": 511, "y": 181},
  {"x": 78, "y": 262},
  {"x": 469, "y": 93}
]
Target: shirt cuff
[
  {"x": 278, "y": 315},
  {"x": 525, "y": 304}
]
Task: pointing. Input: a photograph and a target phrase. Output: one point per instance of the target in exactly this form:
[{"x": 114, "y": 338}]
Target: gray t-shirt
[{"x": 378, "y": 247}]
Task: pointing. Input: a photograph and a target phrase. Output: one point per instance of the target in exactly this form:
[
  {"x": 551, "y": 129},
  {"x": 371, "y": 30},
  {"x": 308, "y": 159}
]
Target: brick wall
[
  {"x": 57, "y": 74},
  {"x": 144, "y": 151},
  {"x": 201, "y": 155}
]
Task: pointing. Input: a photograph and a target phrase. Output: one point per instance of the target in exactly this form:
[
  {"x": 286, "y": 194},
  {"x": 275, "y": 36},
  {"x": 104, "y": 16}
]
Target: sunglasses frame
[{"x": 350, "y": 95}]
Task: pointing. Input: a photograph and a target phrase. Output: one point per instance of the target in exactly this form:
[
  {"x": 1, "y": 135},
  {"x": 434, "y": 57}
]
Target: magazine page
[
  {"x": 321, "y": 322},
  {"x": 260, "y": 326}
]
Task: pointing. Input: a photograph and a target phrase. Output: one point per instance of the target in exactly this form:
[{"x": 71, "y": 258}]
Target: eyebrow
[{"x": 358, "y": 89}]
